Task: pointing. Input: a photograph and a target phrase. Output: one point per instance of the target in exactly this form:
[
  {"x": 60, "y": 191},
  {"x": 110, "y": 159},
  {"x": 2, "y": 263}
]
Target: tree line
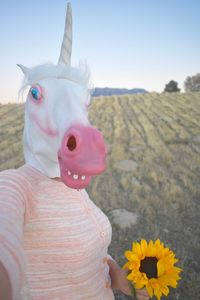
[{"x": 191, "y": 84}]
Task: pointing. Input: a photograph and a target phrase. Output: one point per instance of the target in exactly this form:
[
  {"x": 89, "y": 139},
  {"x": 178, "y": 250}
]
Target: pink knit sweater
[{"x": 53, "y": 239}]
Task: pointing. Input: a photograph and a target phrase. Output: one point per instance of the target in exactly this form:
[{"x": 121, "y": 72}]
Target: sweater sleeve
[{"x": 13, "y": 197}]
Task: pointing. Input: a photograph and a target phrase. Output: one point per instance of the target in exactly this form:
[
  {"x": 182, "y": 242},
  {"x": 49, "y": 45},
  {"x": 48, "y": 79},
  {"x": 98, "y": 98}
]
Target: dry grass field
[{"x": 151, "y": 188}]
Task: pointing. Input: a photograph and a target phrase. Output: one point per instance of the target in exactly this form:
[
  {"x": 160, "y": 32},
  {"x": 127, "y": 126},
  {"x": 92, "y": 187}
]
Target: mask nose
[{"x": 82, "y": 154}]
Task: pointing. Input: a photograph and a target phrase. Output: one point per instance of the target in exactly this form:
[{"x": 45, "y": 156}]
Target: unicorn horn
[{"x": 66, "y": 49}]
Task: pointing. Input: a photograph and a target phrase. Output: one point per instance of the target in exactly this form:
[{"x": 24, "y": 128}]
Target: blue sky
[{"x": 130, "y": 43}]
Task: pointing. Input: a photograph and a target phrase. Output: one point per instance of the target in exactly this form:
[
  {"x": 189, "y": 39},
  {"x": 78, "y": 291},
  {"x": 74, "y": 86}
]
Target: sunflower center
[{"x": 148, "y": 265}]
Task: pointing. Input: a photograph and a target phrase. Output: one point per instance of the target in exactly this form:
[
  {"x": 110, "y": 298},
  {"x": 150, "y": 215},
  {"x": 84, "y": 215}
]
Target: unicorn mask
[{"x": 58, "y": 138}]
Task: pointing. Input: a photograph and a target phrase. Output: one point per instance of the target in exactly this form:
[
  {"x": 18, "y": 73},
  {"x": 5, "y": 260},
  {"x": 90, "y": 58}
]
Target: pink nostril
[{"x": 71, "y": 143}]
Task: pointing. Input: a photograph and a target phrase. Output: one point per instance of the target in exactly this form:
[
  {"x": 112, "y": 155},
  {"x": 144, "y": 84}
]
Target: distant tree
[
  {"x": 192, "y": 84},
  {"x": 171, "y": 87}
]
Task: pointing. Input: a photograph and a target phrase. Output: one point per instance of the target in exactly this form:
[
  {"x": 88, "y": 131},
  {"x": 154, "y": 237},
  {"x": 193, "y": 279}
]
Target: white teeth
[{"x": 75, "y": 176}]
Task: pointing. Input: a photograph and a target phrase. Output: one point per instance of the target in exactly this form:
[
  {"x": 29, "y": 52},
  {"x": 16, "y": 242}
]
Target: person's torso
[{"x": 66, "y": 241}]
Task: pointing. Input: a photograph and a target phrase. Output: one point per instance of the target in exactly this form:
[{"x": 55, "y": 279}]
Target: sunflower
[{"x": 151, "y": 265}]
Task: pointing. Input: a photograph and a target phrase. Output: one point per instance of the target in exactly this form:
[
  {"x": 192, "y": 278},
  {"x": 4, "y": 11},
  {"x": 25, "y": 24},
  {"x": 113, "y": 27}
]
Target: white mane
[{"x": 79, "y": 75}]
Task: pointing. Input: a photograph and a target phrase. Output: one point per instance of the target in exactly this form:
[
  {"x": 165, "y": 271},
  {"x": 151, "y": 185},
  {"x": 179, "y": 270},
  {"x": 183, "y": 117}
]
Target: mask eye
[{"x": 36, "y": 93}]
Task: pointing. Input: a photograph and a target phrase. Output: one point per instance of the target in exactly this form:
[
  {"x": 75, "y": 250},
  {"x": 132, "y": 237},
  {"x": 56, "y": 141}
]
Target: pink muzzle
[{"x": 82, "y": 155}]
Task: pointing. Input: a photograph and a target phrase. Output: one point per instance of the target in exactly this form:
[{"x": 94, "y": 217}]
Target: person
[
  {"x": 51, "y": 242},
  {"x": 53, "y": 238}
]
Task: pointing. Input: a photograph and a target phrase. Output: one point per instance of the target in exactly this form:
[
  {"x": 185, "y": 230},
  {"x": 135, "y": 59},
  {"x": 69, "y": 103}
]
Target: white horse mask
[{"x": 58, "y": 138}]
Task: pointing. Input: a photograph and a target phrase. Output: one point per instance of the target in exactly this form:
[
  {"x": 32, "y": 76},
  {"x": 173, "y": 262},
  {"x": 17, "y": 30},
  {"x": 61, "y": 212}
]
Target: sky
[{"x": 126, "y": 43}]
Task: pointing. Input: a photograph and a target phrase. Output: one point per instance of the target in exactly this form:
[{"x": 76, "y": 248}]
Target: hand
[
  {"x": 121, "y": 283},
  {"x": 142, "y": 294}
]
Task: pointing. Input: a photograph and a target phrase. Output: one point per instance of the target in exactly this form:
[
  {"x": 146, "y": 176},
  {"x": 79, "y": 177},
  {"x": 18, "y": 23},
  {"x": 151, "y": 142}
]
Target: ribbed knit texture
[{"x": 53, "y": 239}]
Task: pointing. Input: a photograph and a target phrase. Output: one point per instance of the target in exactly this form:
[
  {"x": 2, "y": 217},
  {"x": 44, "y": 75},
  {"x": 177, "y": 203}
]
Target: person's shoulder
[
  {"x": 14, "y": 176},
  {"x": 8, "y": 173}
]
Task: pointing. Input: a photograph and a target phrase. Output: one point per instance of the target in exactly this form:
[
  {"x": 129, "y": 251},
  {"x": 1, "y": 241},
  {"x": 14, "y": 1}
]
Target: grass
[{"x": 160, "y": 135}]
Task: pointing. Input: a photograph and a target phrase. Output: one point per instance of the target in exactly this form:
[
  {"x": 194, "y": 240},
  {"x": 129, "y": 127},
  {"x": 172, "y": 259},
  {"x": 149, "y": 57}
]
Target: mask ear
[{"x": 24, "y": 69}]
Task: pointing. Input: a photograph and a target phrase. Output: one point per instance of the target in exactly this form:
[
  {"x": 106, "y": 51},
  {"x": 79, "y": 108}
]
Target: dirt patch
[
  {"x": 196, "y": 139},
  {"x": 123, "y": 218},
  {"x": 126, "y": 165}
]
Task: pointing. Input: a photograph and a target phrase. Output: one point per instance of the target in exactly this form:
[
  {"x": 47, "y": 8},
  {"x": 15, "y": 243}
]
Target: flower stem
[{"x": 133, "y": 291}]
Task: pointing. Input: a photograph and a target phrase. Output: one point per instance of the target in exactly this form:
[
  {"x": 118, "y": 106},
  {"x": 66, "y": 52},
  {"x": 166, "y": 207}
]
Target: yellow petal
[
  {"x": 141, "y": 281},
  {"x": 172, "y": 283},
  {"x": 151, "y": 250},
  {"x": 131, "y": 276},
  {"x": 135, "y": 265},
  {"x": 178, "y": 270},
  {"x": 149, "y": 289},
  {"x": 139, "y": 284},
  {"x": 131, "y": 256},
  {"x": 137, "y": 250},
  {"x": 160, "y": 268},
  {"x": 134, "y": 249},
  {"x": 157, "y": 243},
  {"x": 164, "y": 290},
  {"x": 157, "y": 293},
  {"x": 156, "y": 288},
  {"x": 143, "y": 247}
]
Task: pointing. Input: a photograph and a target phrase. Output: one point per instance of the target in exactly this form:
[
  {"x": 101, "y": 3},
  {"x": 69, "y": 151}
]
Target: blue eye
[{"x": 36, "y": 92}]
